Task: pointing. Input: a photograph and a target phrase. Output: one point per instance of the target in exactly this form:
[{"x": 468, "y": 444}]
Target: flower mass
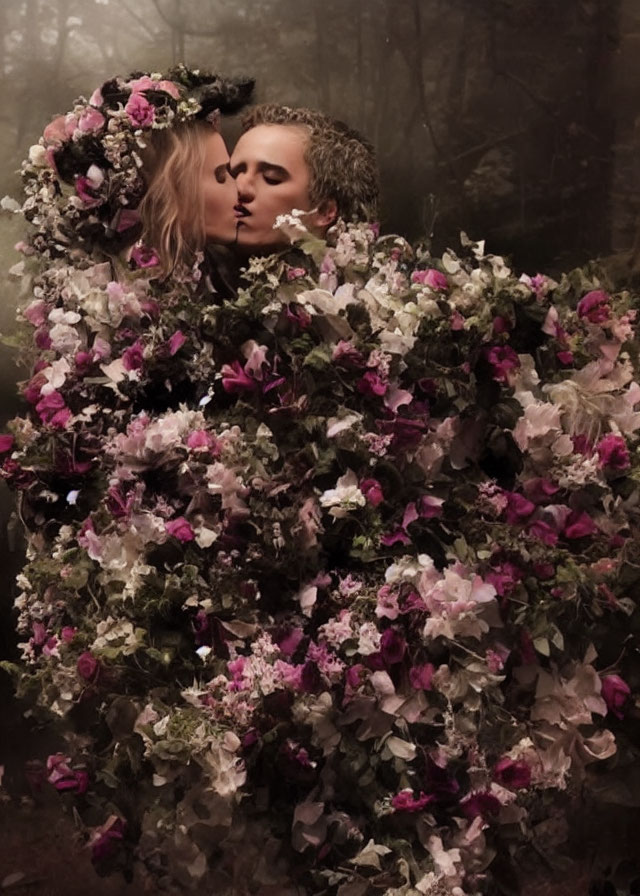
[{"x": 340, "y": 570}]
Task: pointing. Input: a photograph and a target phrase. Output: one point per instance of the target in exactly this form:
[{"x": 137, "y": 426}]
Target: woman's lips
[{"x": 240, "y": 211}]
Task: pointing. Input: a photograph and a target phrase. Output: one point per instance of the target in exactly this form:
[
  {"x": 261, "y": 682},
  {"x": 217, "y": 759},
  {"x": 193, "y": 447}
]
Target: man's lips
[{"x": 240, "y": 211}]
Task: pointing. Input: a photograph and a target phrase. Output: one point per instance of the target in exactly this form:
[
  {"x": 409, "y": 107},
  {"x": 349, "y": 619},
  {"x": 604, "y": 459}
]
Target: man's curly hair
[{"x": 342, "y": 164}]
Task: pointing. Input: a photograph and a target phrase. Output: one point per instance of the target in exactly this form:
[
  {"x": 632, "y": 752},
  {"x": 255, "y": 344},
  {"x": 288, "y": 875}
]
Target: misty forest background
[{"x": 514, "y": 120}]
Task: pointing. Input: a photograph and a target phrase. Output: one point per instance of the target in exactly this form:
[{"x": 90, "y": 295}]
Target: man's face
[{"x": 272, "y": 178}]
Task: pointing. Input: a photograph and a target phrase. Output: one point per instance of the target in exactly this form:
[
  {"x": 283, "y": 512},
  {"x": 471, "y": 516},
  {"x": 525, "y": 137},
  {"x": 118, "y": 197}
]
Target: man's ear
[{"x": 327, "y": 213}]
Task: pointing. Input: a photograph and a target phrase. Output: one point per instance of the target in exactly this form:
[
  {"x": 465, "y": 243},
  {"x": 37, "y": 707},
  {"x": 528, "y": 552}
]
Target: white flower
[{"x": 344, "y": 497}]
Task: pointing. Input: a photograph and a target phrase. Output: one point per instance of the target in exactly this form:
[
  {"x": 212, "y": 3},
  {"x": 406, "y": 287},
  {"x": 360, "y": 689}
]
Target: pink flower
[
  {"x": 35, "y": 313},
  {"x": 105, "y": 839},
  {"x": 613, "y": 452},
  {"x": 68, "y": 633},
  {"x": 595, "y": 306},
  {"x": 615, "y": 692},
  {"x": 579, "y": 525},
  {"x": 176, "y": 342},
  {"x": 6, "y": 443},
  {"x": 405, "y": 801},
  {"x": 294, "y": 273},
  {"x": 372, "y": 490},
  {"x": 503, "y": 361},
  {"x": 200, "y": 440},
  {"x": 387, "y": 604},
  {"x": 348, "y": 354},
  {"x": 88, "y": 666},
  {"x": 512, "y": 774},
  {"x": 180, "y": 529},
  {"x": 90, "y": 120},
  {"x": 420, "y": 676},
  {"x": 140, "y": 111},
  {"x": 430, "y": 277},
  {"x": 143, "y": 256},
  {"x": 146, "y": 83}
]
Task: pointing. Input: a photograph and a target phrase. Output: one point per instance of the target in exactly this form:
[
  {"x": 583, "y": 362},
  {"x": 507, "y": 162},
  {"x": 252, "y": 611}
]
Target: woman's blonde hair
[{"x": 172, "y": 209}]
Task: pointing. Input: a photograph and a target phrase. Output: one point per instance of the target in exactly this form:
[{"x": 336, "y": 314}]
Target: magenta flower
[
  {"x": 143, "y": 256},
  {"x": 84, "y": 189},
  {"x": 430, "y": 277},
  {"x": 372, "y": 490},
  {"x": 595, "y": 306},
  {"x": 52, "y": 410},
  {"x": 372, "y": 384},
  {"x": 133, "y": 357},
  {"x": 140, "y": 111},
  {"x": 420, "y": 676},
  {"x": 406, "y": 802},
  {"x": 543, "y": 531},
  {"x": 540, "y": 489},
  {"x": 88, "y": 666},
  {"x": 512, "y": 774},
  {"x": 518, "y": 507},
  {"x": 615, "y": 692},
  {"x": 392, "y": 647},
  {"x": 235, "y": 379},
  {"x": 63, "y": 777},
  {"x": 503, "y": 361},
  {"x": 6, "y": 443},
  {"x": 180, "y": 528},
  {"x": 579, "y": 525},
  {"x": 105, "y": 839},
  {"x": 481, "y": 803},
  {"x": 613, "y": 452},
  {"x": 176, "y": 342}
]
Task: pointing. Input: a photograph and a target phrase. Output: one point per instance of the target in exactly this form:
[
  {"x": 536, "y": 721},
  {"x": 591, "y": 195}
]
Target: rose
[
  {"x": 180, "y": 529},
  {"x": 431, "y": 277},
  {"x": 140, "y": 111},
  {"x": 613, "y": 452},
  {"x": 615, "y": 692},
  {"x": 594, "y": 306},
  {"x": 88, "y": 666}
]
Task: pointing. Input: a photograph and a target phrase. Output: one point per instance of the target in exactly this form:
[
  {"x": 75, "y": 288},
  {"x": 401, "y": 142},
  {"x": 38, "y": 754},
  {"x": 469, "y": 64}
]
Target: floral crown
[{"x": 83, "y": 178}]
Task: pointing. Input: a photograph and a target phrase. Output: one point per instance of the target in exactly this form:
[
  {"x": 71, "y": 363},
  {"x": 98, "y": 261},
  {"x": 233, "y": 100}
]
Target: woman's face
[{"x": 218, "y": 191}]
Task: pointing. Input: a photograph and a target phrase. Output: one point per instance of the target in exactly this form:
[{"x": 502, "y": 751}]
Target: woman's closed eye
[{"x": 221, "y": 173}]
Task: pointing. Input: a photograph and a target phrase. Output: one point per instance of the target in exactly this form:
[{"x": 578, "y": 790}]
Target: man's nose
[{"x": 245, "y": 187}]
